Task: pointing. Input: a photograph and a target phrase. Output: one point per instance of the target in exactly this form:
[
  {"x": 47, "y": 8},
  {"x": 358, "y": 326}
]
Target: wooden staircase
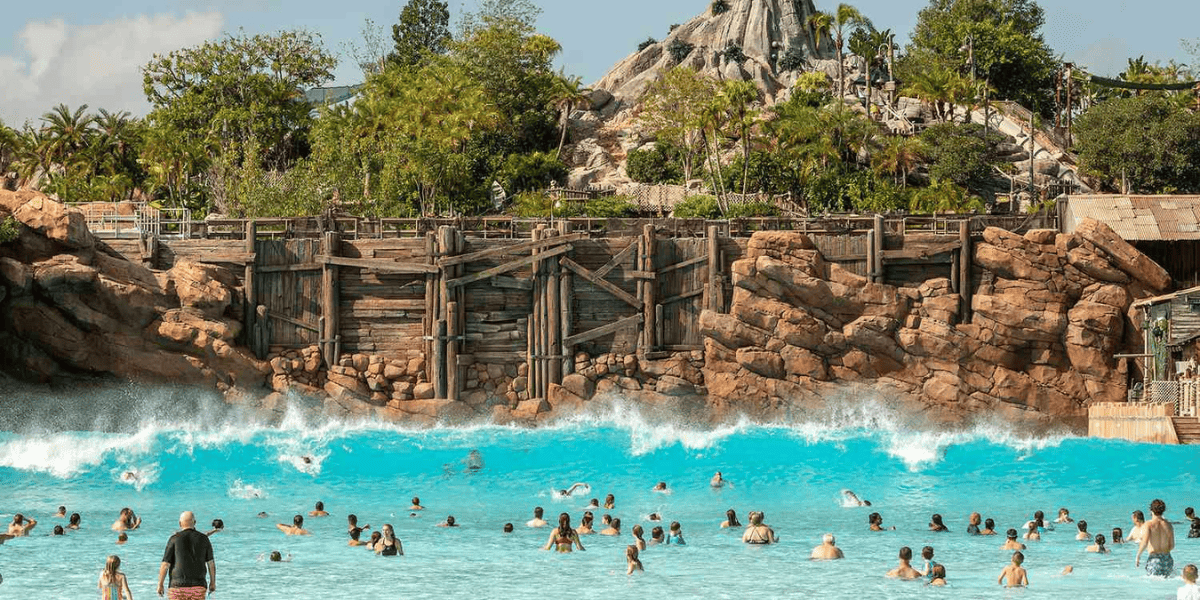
[{"x": 1187, "y": 429}]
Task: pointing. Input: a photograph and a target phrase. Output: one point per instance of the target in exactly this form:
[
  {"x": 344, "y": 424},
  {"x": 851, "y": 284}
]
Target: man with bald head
[
  {"x": 187, "y": 555},
  {"x": 828, "y": 549}
]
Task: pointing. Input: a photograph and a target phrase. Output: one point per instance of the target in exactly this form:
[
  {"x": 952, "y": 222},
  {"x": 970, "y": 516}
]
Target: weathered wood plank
[
  {"x": 239, "y": 258},
  {"x": 508, "y": 266},
  {"x": 296, "y": 322},
  {"x": 616, "y": 261},
  {"x": 684, "y": 264},
  {"x": 923, "y": 251},
  {"x": 683, "y": 296},
  {"x": 513, "y": 249},
  {"x": 606, "y": 285},
  {"x": 380, "y": 265},
  {"x": 604, "y": 330},
  {"x": 290, "y": 268},
  {"x": 511, "y": 283}
]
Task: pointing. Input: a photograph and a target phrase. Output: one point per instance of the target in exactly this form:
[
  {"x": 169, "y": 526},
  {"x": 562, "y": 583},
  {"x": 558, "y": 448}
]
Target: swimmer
[
  {"x": 606, "y": 520},
  {"x": 1189, "y": 590},
  {"x": 318, "y": 510},
  {"x": 852, "y": 499},
  {"x": 262, "y": 515},
  {"x": 355, "y": 534},
  {"x": 131, "y": 476},
  {"x": 631, "y": 557},
  {"x": 660, "y": 487},
  {"x": 638, "y": 540},
  {"x": 112, "y": 584},
  {"x": 389, "y": 544},
  {"x": 508, "y": 528},
  {"x": 1083, "y": 534},
  {"x": 973, "y": 525},
  {"x": 416, "y": 504},
  {"x": 1068, "y": 570},
  {"x": 718, "y": 481},
  {"x": 1139, "y": 523},
  {"x": 594, "y": 504},
  {"x": 939, "y": 576},
  {"x": 610, "y": 502},
  {"x": 731, "y": 520},
  {"x": 449, "y": 522},
  {"x": 74, "y": 521},
  {"x": 1189, "y": 513},
  {"x": 614, "y": 528},
  {"x": 935, "y": 523},
  {"x": 58, "y": 530},
  {"x": 576, "y": 486},
  {"x": 296, "y": 528},
  {"x": 989, "y": 527},
  {"x": 1014, "y": 574},
  {"x": 1116, "y": 536},
  {"x": 1012, "y": 543},
  {"x": 875, "y": 523},
  {"x": 127, "y": 520},
  {"x": 675, "y": 535},
  {"x": 374, "y": 541},
  {"x": 62, "y": 513},
  {"x": 657, "y": 536},
  {"x": 904, "y": 570},
  {"x": 1033, "y": 535},
  {"x": 1159, "y": 538},
  {"x": 655, "y": 517},
  {"x": 1064, "y": 516},
  {"x": 121, "y": 539},
  {"x": 758, "y": 533},
  {"x": 927, "y": 556},
  {"x": 563, "y": 538},
  {"x": 585, "y": 524},
  {"x": 828, "y": 549},
  {"x": 217, "y": 527},
  {"x": 352, "y": 523},
  {"x": 1194, "y": 530},
  {"x": 21, "y": 525},
  {"x": 1098, "y": 547},
  {"x": 307, "y": 459},
  {"x": 537, "y": 520},
  {"x": 474, "y": 461}
]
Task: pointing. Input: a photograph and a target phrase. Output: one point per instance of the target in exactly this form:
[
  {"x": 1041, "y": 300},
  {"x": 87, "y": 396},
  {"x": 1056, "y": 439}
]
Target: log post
[
  {"x": 871, "y": 260},
  {"x": 445, "y": 245},
  {"x": 565, "y": 300},
  {"x": 964, "y": 266},
  {"x": 430, "y": 318},
  {"x": 639, "y": 262},
  {"x": 650, "y": 327},
  {"x": 880, "y": 272},
  {"x": 553, "y": 331},
  {"x": 536, "y": 374},
  {"x": 714, "y": 301},
  {"x": 251, "y": 297},
  {"x": 439, "y": 358},
  {"x": 329, "y": 299},
  {"x": 262, "y": 331},
  {"x": 452, "y": 333}
]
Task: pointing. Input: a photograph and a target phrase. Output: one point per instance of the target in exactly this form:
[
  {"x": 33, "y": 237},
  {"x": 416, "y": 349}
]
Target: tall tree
[
  {"x": 898, "y": 156},
  {"x": 567, "y": 94},
  {"x": 423, "y": 30},
  {"x": 740, "y": 97},
  {"x": 838, "y": 23},
  {"x": 671, "y": 110},
  {"x": 1143, "y": 144}
]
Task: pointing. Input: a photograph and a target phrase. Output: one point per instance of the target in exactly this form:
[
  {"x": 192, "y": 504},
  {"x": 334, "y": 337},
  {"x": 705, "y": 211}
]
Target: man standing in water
[
  {"x": 828, "y": 549},
  {"x": 1159, "y": 537},
  {"x": 187, "y": 555}
]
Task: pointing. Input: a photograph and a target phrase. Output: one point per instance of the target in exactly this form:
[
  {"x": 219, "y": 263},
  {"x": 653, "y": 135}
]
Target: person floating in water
[
  {"x": 875, "y": 523},
  {"x": 112, "y": 584},
  {"x": 757, "y": 532},
  {"x": 717, "y": 481},
  {"x": 1159, "y": 538},
  {"x": 610, "y": 501},
  {"x": 935, "y": 523},
  {"x": 731, "y": 519},
  {"x": 58, "y": 530},
  {"x": 593, "y": 504},
  {"x": 1012, "y": 543},
  {"x": 62, "y": 513},
  {"x": 449, "y": 522},
  {"x": 416, "y": 505},
  {"x": 660, "y": 487},
  {"x": 675, "y": 535},
  {"x": 631, "y": 557},
  {"x": 849, "y": 498},
  {"x": 121, "y": 539},
  {"x": 508, "y": 528},
  {"x": 1014, "y": 574},
  {"x": 318, "y": 510},
  {"x": 581, "y": 487},
  {"x": 1064, "y": 516},
  {"x": 217, "y": 527},
  {"x": 989, "y": 527},
  {"x": 657, "y": 536},
  {"x": 904, "y": 570},
  {"x": 1083, "y": 534},
  {"x": 828, "y": 549},
  {"x": 537, "y": 520},
  {"x": 1116, "y": 536},
  {"x": 296, "y": 528},
  {"x": 74, "y": 522},
  {"x": 563, "y": 538}
]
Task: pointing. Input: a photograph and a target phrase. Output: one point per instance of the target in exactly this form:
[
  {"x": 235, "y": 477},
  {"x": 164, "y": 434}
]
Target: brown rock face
[{"x": 65, "y": 226}]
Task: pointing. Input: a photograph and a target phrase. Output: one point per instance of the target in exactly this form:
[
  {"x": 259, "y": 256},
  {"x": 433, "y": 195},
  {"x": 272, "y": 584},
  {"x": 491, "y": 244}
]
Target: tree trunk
[
  {"x": 841, "y": 73},
  {"x": 867, "y": 77},
  {"x": 745, "y": 155},
  {"x": 562, "y": 140}
]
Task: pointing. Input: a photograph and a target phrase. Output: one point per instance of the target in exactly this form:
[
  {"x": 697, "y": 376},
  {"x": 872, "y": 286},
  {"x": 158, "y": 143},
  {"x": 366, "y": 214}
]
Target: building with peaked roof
[{"x": 1165, "y": 228}]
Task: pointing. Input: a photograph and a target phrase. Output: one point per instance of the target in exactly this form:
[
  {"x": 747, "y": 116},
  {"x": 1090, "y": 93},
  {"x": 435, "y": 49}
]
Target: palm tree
[
  {"x": 836, "y": 24},
  {"x": 711, "y": 121},
  {"x": 863, "y": 43},
  {"x": 934, "y": 86},
  {"x": 69, "y": 132},
  {"x": 898, "y": 156},
  {"x": 820, "y": 23},
  {"x": 566, "y": 93},
  {"x": 739, "y": 96}
]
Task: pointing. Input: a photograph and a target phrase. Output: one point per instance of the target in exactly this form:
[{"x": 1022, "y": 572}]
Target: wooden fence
[{"x": 1136, "y": 422}]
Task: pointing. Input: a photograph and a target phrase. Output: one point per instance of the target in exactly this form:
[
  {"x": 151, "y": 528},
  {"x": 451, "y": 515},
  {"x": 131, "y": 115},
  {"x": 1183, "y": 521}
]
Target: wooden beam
[
  {"x": 687, "y": 263},
  {"x": 296, "y": 322},
  {"x": 630, "y": 275},
  {"x": 601, "y": 283},
  {"x": 921, "y": 252},
  {"x": 513, "y": 249},
  {"x": 379, "y": 265},
  {"x": 291, "y": 268},
  {"x": 683, "y": 296},
  {"x": 617, "y": 260},
  {"x": 490, "y": 357},
  {"x": 508, "y": 266},
  {"x": 512, "y": 283},
  {"x": 604, "y": 330},
  {"x": 240, "y": 258}
]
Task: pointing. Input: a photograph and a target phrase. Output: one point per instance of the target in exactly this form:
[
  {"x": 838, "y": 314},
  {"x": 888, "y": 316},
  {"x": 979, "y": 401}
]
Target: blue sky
[{"x": 84, "y": 51}]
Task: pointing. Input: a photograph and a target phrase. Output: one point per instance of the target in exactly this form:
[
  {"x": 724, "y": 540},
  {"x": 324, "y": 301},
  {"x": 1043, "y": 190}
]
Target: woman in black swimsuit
[
  {"x": 757, "y": 533},
  {"x": 388, "y": 544}
]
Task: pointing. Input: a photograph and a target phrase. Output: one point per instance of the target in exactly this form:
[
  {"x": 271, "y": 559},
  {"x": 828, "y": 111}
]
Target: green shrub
[
  {"x": 533, "y": 171},
  {"x": 858, "y": 191},
  {"x": 10, "y": 230},
  {"x": 674, "y": 26},
  {"x": 679, "y": 50},
  {"x": 610, "y": 207},
  {"x": 733, "y": 53},
  {"x": 659, "y": 164},
  {"x": 752, "y": 209},
  {"x": 698, "y": 207},
  {"x": 646, "y": 44},
  {"x": 793, "y": 59},
  {"x": 720, "y": 7}
]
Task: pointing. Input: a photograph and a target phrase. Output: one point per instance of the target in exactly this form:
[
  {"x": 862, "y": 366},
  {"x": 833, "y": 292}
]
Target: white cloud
[{"x": 98, "y": 65}]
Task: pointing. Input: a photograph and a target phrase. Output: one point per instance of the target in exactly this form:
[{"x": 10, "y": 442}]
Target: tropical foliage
[{"x": 1142, "y": 144}]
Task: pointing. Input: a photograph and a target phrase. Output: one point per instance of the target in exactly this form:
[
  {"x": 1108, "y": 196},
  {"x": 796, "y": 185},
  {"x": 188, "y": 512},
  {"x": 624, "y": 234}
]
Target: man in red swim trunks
[{"x": 187, "y": 555}]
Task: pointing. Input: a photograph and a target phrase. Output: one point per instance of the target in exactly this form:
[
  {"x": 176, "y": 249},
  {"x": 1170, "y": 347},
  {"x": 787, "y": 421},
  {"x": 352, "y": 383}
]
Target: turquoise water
[{"x": 190, "y": 453}]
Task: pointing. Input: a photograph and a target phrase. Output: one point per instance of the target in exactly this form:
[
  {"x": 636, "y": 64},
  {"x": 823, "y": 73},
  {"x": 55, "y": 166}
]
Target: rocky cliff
[
  {"x": 1046, "y": 320},
  {"x": 70, "y": 306}
]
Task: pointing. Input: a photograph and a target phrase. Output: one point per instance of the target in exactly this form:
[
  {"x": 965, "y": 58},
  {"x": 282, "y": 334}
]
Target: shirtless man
[
  {"x": 717, "y": 481},
  {"x": 852, "y": 499},
  {"x": 296, "y": 528},
  {"x": 127, "y": 520},
  {"x": 905, "y": 570},
  {"x": 1012, "y": 543},
  {"x": 827, "y": 550},
  {"x": 1159, "y": 537},
  {"x": 318, "y": 510},
  {"x": 21, "y": 525},
  {"x": 537, "y": 520},
  {"x": 62, "y": 513},
  {"x": 1083, "y": 534},
  {"x": 1139, "y": 524},
  {"x": 416, "y": 505},
  {"x": 1016, "y": 576}
]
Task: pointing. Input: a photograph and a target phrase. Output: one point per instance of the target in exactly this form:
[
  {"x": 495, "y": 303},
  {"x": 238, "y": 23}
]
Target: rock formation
[
  {"x": 1051, "y": 312},
  {"x": 72, "y": 306}
]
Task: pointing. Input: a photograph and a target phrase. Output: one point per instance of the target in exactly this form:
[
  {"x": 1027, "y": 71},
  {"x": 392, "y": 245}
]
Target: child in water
[
  {"x": 676, "y": 534},
  {"x": 1014, "y": 574},
  {"x": 631, "y": 557},
  {"x": 113, "y": 585}
]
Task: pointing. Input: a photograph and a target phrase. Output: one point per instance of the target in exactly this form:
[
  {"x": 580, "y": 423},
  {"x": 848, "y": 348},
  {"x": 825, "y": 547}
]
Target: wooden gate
[{"x": 288, "y": 283}]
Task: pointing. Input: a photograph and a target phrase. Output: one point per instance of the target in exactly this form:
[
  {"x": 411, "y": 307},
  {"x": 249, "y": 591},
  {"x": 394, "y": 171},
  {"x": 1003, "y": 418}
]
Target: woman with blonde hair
[
  {"x": 113, "y": 585},
  {"x": 631, "y": 556}
]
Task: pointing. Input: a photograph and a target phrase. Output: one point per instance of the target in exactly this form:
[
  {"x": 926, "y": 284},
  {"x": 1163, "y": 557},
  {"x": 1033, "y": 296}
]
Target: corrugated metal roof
[{"x": 1138, "y": 218}]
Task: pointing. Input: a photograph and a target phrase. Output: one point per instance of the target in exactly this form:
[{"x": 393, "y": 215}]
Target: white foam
[
  {"x": 136, "y": 476},
  {"x": 245, "y": 491},
  {"x": 64, "y": 455}
]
